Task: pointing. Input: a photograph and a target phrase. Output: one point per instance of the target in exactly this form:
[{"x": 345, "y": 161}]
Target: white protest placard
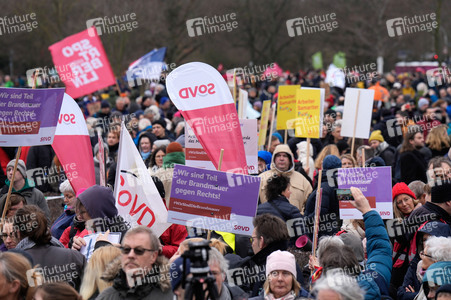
[
  {"x": 243, "y": 103},
  {"x": 197, "y": 157},
  {"x": 362, "y": 106},
  {"x": 90, "y": 239}
]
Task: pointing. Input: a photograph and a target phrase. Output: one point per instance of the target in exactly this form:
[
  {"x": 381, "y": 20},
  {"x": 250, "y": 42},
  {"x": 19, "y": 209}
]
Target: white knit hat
[{"x": 281, "y": 260}]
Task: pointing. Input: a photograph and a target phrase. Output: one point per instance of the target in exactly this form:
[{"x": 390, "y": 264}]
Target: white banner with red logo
[
  {"x": 72, "y": 145},
  {"x": 201, "y": 94},
  {"x": 137, "y": 198},
  {"x": 82, "y": 63}
]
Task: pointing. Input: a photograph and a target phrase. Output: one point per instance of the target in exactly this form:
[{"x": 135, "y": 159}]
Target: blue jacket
[
  {"x": 64, "y": 220},
  {"x": 289, "y": 210},
  {"x": 377, "y": 274}
]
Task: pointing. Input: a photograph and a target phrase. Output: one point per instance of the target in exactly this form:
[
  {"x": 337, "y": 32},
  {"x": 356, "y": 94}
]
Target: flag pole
[
  {"x": 221, "y": 155},
  {"x": 273, "y": 115},
  {"x": 355, "y": 123}
]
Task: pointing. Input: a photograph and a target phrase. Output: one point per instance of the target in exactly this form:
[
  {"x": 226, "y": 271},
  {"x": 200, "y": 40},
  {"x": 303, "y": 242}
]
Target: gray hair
[
  {"x": 344, "y": 285},
  {"x": 214, "y": 256},
  {"x": 417, "y": 187},
  {"x": 153, "y": 239},
  {"x": 65, "y": 187},
  {"x": 439, "y": 248},
  {"x": 153, "y": 109},
  {"x": 337, "y": 124},
  {"x": 325, "y": 241}
]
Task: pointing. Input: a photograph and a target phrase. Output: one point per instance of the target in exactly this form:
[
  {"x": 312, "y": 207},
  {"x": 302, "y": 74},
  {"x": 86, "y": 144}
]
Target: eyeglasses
[
  {"x": 424, "y": 254},
  {"x": 6, "y": 235},
  {"x": 252, "y": 238},
  {"x": 138, "y": 251}
]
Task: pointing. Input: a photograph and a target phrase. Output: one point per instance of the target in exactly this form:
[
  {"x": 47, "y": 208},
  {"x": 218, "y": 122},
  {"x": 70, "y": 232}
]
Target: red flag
[
  {"x": 73, "y": 146},
  {"x": 204, "y": 98},
  {"x": 82, "y": 63}
]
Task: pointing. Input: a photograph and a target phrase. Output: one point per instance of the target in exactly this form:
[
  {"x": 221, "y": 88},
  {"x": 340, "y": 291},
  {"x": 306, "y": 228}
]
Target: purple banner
[{"x": 28, "y": 117}]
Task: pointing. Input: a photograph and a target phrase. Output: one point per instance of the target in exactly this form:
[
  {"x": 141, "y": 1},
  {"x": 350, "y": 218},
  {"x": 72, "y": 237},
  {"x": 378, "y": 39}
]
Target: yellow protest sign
[
  {"x": 264, "y": 123},
  {"x": 286, "y": 107},
  {"x": 308, "y": 114}
]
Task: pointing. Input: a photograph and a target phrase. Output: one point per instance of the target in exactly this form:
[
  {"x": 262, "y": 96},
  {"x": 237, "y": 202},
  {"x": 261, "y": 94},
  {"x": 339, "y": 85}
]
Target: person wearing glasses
[
  {"x": 412, "y": 281},
  {"x": 8, "y": 237},
  {"x": 143, "y": 272}
]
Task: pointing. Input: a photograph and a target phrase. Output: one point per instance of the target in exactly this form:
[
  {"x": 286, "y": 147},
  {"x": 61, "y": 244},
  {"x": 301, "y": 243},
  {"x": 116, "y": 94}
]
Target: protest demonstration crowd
[{"x": 208, "y": 183}]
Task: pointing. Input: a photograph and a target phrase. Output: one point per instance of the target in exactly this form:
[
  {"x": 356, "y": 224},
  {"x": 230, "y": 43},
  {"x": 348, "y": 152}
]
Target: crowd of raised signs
[{"x": 408, "y": 257}]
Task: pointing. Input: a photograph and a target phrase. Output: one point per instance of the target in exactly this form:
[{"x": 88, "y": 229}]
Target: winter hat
[
  {"x": 397, "y": 85},
  {"x": 331, "y": 162},
  {"x": 443, "y": 289},
  {"x": 441, "y": 193},
  {"x": 355, "y": 243},
  {"x": 422, "y": 102},
  {"x": 302, "y": 147},
  {"x": 163, "y": 100},
  {"x": 376, "y": 135},
  {"x": 276, "y": 134},
  {"x": 20, "y": 167},
  {"x": 402, "y": 188},
  {"x": 105, "y": 104},
  {"x": 99, "y": 202},
  {"x": 439, "y": 268},
  {"x": 266, "y": 156},
  {"x": 160, "y": 122},
  {"x": 181, "y": 140},
  {"x": 375, "y": 162},
  {"x": 176, "y": 271},
  {"x": 174, "y": 147},
  {"x": 258, "y": 104},
  {"x": 281, "y": 260}
]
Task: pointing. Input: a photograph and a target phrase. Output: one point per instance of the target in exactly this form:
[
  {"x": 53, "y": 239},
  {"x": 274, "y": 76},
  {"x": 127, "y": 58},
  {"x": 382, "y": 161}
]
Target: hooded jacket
[
  {"x": 152, "y": 138},
  {"x": 300, "y": 187}
]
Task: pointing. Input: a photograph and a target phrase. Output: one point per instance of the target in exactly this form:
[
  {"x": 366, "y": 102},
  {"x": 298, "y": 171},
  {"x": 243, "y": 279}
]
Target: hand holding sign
[{"x": 360, "y": 202}]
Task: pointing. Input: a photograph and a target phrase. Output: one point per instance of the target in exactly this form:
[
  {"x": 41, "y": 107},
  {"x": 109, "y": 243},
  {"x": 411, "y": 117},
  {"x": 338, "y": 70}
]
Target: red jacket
[{"x": 171, "y": 239}]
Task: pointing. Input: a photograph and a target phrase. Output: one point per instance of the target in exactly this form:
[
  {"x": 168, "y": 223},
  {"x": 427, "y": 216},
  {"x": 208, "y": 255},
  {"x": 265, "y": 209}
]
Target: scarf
[
  {"x": 145, "y": 155},
  {"x": 289, "y": 296}
]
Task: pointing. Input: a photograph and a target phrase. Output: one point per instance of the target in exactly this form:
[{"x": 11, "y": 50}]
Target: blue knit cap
[{"x": 331, "y": 162}]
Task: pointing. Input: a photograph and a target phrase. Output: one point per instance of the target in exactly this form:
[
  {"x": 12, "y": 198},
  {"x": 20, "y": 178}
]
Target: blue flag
[{"x": 148, "y": 67}]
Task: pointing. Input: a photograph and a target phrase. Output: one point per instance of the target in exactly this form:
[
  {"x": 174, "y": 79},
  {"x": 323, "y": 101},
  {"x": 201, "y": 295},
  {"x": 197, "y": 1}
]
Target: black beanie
[{"x": 441, "y": 192}]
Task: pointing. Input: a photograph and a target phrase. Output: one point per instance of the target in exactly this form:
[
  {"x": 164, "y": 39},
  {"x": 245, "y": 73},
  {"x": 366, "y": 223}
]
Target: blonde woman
[
  {"x": 348, "y": 161},
  {"x": 438, "y": 140},
  {"x": 328, "y": 150},
  {"x": 92, "y": 284},
  {"x": 13, "y": 277}
]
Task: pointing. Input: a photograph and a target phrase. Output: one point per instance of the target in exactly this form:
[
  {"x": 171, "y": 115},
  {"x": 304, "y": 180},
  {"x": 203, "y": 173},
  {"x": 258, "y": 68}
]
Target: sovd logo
[
  {"x": 66, "y": 118},
  {"x": 202, "y": 90}
]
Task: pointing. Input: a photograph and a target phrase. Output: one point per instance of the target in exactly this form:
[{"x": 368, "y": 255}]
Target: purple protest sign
[
  {"x": 375, "y": 184},
  {"x": 213, "y": 200},
  {"x": 28, "y": 117}
]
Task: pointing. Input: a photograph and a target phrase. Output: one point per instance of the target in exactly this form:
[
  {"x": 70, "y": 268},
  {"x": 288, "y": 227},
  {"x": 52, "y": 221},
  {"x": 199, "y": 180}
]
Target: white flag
[{"x": 137, "y": 198}]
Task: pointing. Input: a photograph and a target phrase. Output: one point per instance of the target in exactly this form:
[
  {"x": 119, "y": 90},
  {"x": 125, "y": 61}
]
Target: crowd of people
[{"x": 407, "y": 257}]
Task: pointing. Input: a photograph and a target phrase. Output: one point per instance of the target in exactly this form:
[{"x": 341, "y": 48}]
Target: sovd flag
[
  {"x": 147, "y": 67},
  {"x": 137, "y": 198},
  {"x": 204, "y": 98},
  {"x": 72, "y": 145},
  {"x": 82, "y": 63}
]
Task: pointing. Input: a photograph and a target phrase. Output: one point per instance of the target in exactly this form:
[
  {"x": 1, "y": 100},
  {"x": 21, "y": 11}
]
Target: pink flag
[
  {"x": 82, "y": 63},
  {"x": 204, "y": 98},
  {"x": 273, "y": 70},
  {"x": 73, "y": 146}
]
